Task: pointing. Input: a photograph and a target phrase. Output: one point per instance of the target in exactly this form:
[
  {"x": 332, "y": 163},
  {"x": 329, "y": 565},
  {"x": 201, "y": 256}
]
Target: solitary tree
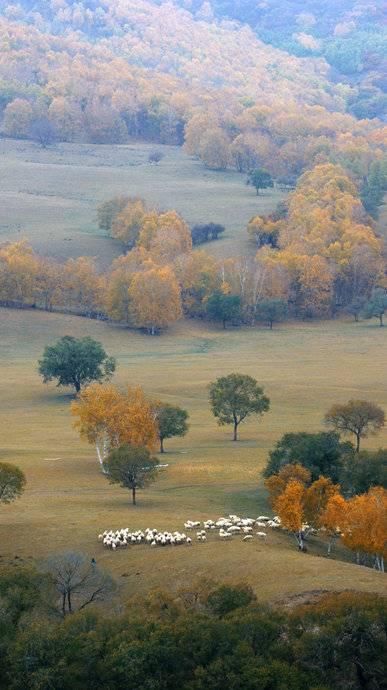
[
  {"x": 131, "y": 467},
  {"x": 358, "y": 417},
  {"x": 221, "y": 307},
  {"x": 77, "y": 580},
  {"x": 171, "y": 421},
  {"x": 76, "y": 362},
  {"x": 12, "y": 482},
  {"x": 271, "y": 311},
  {"x": 260, "y": 179},
  {"x": 235, "y": 397},
  {"x": 376, "y": 306}
]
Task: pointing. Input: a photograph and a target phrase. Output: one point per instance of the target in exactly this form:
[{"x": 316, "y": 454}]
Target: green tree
[
  {"x": 235, "y": 397},
  {"x": 376, "y": 306},
  {"x": 322, "y": 453},
  {"x": 171, "y": 421},
  {"x": 358, "y": 417},
  {"x": 109, "y": 210},
  {"x": 271, "y": 311},
  {"x": 76, "y": 362},
  {"x": 367, "y": 469},
  {"x": 12, "y": 482},
  {"x": 131, "y": 467},
  {"x": 260, "y": 179},
  {"x": 373, "y": 188},
  {"x": 221, "y": 307}
]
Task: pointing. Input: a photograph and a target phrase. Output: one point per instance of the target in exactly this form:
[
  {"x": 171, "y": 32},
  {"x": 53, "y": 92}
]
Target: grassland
[
  {"x": 49, "y": 196},
  {"x": 303, "y": 367}
]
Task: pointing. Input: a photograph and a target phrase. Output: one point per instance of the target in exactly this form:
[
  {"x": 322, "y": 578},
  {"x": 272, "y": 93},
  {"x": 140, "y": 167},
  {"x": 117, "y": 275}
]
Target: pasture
[
  {"x": 49, "y": 196},
  {"x": 303, "y": 367}
]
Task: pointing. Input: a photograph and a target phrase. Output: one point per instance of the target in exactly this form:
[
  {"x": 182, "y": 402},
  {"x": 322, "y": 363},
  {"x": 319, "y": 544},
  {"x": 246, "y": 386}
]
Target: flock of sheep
[{"x": 226, "y": 528}]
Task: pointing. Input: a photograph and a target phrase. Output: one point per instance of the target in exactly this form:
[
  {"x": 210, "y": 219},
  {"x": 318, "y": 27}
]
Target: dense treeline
[
  {"x": 350, "y": 35},
  {"x": 86, "y": 72},
  {"x": 318, "y": 254},
  {"x": 205, "y": 636}
]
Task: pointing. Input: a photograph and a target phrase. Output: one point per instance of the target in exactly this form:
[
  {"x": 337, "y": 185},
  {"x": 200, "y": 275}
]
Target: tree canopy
[
  {"x": 12, "y": 482},
  {"x": 76, "y": 362},
  {"x": 321, "y": 453},
  {"x": 171, "y": 421},
  {"x": 132, "y": 467},
  {"x": 235, "y": 397},
  {"x": 357, "y": 417}
]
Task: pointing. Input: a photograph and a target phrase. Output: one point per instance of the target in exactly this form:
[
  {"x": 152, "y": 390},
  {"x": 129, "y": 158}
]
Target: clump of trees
[
  {"x": 206, "y": 232},
  {"x": 293, "y": 648}
]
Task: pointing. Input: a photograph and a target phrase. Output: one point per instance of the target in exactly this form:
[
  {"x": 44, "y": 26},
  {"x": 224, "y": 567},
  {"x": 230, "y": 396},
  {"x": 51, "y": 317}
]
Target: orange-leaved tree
[
  {"x": 299, "y": 506},
  {"x": 156, "y": 300},
  {"x": 108, "y": 418}
]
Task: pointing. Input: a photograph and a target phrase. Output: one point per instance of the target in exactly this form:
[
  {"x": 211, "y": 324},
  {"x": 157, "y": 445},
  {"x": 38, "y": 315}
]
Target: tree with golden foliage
[
  {"x": 165, "y": 235},
  {"x": 156, "y": 300},
  {"x": 119, "y": 280},
  {"x": 300, "y": 506},
  {"x": 289, "y": 506},
  {"x": 108, "y": 418},
  {"x": 18, "y": 271},
  {"x": 277, "y": 483},
  {"x": 198, "y": 278},
  {"x": 334, "y": 519},
  {"x": 362, "y": 521},
  {"x": 127, "y": 223}
]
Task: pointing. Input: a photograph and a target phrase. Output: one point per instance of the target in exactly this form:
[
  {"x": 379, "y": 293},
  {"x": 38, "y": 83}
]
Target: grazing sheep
[
  {"x": 262, "y": 535},
  {"x": 248, "y": 537}
]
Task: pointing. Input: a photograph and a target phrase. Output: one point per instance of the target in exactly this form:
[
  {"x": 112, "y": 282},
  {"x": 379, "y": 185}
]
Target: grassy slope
[
  {"x": 50, "y": 196},
  {"x": 304, "y": 368}
]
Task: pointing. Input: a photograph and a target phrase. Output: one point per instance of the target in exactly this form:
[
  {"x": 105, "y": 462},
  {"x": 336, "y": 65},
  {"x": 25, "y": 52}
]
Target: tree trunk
[
  {"x": 69, "y": 602},
  {"x": 271, "y": 325},
  {"x": 64, "y": 605},
  {"x": 381, "y": 320},
  {"x": 162, "y": 446},
  {"x": 235, "y": 436},
  {"x": 357, "y": 443},
  {"x": 134, "y": 495},
  {"x": 77, "y": 386}
]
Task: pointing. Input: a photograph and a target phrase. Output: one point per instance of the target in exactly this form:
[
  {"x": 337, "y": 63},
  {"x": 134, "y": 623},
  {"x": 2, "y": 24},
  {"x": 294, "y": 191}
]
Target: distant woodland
[{"x": 256, "y": 87}]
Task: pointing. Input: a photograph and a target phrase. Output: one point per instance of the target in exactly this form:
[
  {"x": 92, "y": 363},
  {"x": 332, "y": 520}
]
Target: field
[
  {"x": 50, "y": 196},
  {"x": 303, "y": 367}
]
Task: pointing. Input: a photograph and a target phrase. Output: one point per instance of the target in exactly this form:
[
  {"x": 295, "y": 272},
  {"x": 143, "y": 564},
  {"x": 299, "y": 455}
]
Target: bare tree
[{"x": 77, "y": 580}]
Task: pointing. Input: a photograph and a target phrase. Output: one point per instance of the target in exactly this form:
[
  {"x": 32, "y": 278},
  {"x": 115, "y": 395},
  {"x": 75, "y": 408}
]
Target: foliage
[
  {"x": 76, "y": 362},
  {"x": 260, "y": 179},
  {"x": 155, "y": 297},
  {"x": 12, "y": 482},
  {"x": 357, "y": 417},
  {"x": 222, "y": 307},
  {"x": 376, "y": 306},
  {"x": 171, "y": 421},
  {"x": 322, "y": 453},
  {"x": 235, "y": 397},
  {"x": 132, "y": 467},
  {"x": 249, "y": 645},
  {"x": 362, "y": 523},
  {"x": 364, "y": 471},
  {"x": 271, "y": 311},
  {"x": 107, "y": 418},
  {"x": 206, "y": 232}
]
